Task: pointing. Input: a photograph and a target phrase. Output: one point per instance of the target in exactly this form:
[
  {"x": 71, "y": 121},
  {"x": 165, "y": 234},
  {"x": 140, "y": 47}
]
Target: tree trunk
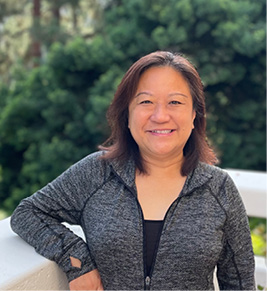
[
  {"x": 35, "y": 51},
  {"x": 74, "y": 16},
  {"x": 56, "y": 13}
]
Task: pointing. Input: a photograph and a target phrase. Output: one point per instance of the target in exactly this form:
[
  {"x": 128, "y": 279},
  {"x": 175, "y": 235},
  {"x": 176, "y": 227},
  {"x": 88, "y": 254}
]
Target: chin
[{"x": 164, "y": 153}]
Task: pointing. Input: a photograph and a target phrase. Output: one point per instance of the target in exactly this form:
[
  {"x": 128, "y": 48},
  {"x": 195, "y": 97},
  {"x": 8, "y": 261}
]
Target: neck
[{"x": 160, "y": 167}]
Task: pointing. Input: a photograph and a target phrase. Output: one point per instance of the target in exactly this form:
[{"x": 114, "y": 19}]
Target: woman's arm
[
  {"x": 235, "y": 269},
  {"x": 38, "y": 220}
]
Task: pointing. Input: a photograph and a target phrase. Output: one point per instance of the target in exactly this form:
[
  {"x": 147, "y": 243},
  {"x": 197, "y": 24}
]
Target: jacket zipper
[
  {"x": 147, "y": 283},
  {"x": 147, "y": 277},
  {"x": 134, "y": 193}
]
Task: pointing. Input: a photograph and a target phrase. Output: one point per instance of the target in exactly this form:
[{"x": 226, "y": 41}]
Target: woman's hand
[{"x": 88, "y": 281}]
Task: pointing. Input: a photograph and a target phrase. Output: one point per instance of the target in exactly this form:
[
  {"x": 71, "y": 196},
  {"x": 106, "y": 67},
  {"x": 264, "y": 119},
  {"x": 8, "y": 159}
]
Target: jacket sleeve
[
  {"x": 235, "y": 269},
  {"x": 38, "y": 219}
]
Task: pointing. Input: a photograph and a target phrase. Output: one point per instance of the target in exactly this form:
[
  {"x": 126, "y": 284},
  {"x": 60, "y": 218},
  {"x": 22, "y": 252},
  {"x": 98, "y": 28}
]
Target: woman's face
[{"x": 161, "y": 115}]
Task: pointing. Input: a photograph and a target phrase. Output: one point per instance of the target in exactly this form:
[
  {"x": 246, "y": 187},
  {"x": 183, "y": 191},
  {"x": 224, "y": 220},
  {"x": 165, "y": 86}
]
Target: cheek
[
  {"x": 133, "y": 124},
  {"x": 131, "y": 120},
  {"x": 187, "y": 123},
  {"x": 187, "y": 120},
  {"x": 137, "y": 119},
  {"x": 130, "y": 116}
]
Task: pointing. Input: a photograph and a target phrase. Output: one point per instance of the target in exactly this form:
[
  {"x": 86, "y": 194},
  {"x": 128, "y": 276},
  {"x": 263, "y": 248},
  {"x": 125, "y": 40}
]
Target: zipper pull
[{"x": 147, "y": 281}]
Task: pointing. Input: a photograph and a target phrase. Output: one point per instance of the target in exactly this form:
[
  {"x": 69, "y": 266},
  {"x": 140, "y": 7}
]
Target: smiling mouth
[{"x": 165, "y": 131}]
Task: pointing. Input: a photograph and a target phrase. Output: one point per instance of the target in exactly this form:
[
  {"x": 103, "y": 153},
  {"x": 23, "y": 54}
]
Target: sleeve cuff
[
  {"x": 75, "y": 272},
  {"x": 80, "y": 251}
]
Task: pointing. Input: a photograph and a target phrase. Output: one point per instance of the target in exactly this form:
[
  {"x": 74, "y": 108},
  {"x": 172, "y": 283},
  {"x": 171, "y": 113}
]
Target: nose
[{"x": 160, "y": 114}]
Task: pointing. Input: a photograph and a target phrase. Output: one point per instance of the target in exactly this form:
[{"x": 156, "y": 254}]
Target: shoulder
[
  {"x": 216, "y": 179},
  {"x": 220, "y": 184},
  {"x": 213, "y": 173},
  {"x": 90, "y": 168},
  {"x": 211, "y": 169},
  {"x": 92, "y": 160},
  {"x": 216, "y": 173}
]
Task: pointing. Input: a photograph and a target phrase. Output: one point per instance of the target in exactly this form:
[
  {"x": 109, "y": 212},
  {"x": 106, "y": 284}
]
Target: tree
[
  {"x": 36, "y": 43},
  {"x": 30, "y": 27},
  {"x": 53, "y": 115},
  {"x": 225, "y": 39}
]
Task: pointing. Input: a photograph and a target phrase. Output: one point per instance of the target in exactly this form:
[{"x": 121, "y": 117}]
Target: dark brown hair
[{"x": 122, "y": 146}]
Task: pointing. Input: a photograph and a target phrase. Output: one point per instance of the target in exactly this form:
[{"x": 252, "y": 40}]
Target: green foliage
[
  {"x": 258, "y": 235},
  {"x": 52, "y": 118},
  {"x": 53, "y": 115},
  {"x": 259, "y": 244},
  {"x": 226, "y": 41}
]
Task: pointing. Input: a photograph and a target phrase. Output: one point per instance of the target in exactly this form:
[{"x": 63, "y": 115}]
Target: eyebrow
[
  {"x": 143, "y": 92},
  {"x": 177, "y": 93},
  {"x": 170, "y": 95}
]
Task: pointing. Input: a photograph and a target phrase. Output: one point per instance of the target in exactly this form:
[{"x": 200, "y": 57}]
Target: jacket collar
[
  {"x": 125, "y": 171},
  {"x": 197, "y": 178}
]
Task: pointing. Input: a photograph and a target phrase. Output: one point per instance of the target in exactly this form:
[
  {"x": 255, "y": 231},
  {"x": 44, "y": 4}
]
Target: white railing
[{"x": 21, "y": 268}]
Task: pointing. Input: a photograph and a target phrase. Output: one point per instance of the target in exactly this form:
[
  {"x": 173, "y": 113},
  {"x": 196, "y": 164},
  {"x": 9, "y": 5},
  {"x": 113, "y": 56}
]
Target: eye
[
  {"x": 175, "y": 102},
  {"x": 146, "y": 102}
]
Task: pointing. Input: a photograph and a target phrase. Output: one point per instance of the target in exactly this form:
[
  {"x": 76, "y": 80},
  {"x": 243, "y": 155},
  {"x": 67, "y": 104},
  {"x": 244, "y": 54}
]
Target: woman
[{"x": 155, "y": 212}]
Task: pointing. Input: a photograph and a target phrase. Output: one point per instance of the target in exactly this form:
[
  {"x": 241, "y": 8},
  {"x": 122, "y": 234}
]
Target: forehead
[
  {"x": 161, "y": 70},
  {"x": 163, "y": 78}
]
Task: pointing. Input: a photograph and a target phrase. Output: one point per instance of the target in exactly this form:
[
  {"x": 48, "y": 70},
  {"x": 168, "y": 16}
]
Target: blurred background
[{"x": 61, "y": 61}]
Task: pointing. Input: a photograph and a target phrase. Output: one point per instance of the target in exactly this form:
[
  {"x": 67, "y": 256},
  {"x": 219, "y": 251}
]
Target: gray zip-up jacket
[{"x": 206, "y": 226}]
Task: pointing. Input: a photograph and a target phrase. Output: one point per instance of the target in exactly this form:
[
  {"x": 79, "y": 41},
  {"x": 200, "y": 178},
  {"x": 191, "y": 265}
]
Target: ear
[{"x": 193, "y": 118}]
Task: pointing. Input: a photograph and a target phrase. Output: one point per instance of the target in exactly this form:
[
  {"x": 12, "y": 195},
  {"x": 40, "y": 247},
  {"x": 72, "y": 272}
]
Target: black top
[{"x": 152, "y": 233}]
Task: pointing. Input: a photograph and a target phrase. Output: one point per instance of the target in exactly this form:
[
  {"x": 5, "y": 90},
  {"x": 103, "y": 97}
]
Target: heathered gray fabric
[{"x": 206, "y": 226}]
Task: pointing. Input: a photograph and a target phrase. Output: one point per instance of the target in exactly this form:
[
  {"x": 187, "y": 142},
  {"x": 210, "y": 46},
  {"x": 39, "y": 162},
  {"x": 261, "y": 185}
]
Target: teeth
[{"x": 162, "y": 131}]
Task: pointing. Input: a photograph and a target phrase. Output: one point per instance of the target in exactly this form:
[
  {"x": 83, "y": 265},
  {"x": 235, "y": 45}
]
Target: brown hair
[{"x": 122, "y": 146}]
